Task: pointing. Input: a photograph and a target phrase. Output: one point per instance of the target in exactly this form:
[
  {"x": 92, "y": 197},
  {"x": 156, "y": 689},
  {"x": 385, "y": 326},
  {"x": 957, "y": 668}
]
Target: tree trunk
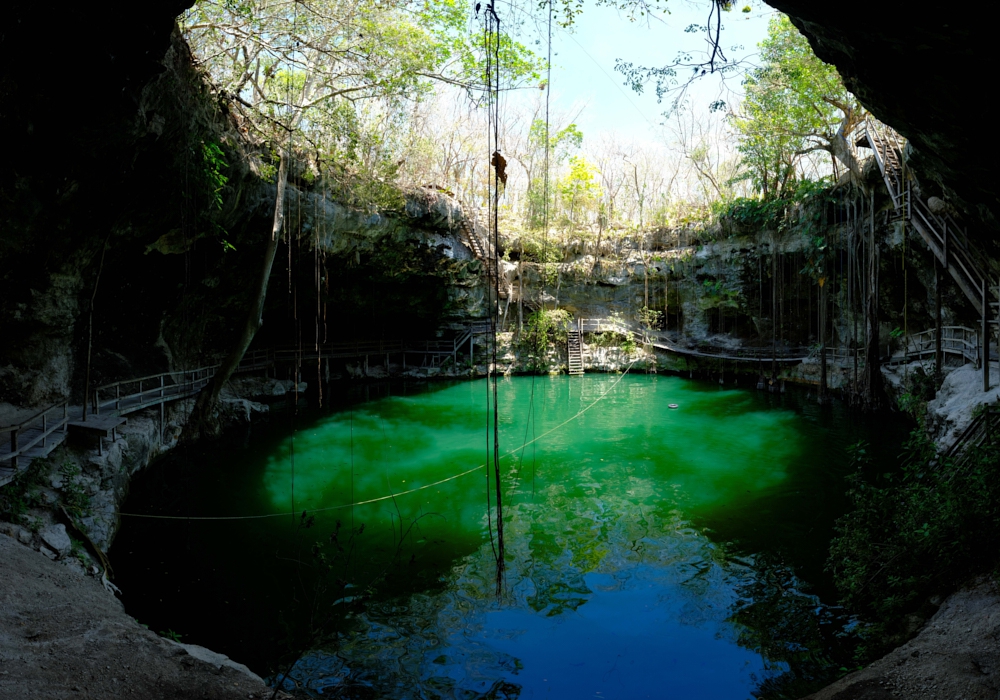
[
  {"x": 841, "y": 150},
  {"x": 203, "y": 420}
]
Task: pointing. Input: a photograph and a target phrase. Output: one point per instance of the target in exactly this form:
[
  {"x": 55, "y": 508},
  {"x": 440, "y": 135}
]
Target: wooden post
[
  {"x": 945, "y": 261},
  {"x": 13, "y": 448},
  {"x": 97, "y": 404},
  {"x": 938, "y": 356},
  {"x": 985, "y": 338},
  {"x": 44, "y": 426}
]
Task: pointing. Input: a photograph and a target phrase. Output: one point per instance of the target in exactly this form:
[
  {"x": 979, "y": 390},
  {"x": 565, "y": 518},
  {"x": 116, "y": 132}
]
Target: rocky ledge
[
  {"x": 955, "y": 656},
  {"x": 63, "y": 636}
]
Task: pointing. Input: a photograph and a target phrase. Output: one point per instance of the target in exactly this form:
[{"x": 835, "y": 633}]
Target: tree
[
  {"x": 561, "y": 143},
  {"x": 579, "y": 191},
  {"x": 302, "y": 71},
  {"x": 794, "y": 105}
]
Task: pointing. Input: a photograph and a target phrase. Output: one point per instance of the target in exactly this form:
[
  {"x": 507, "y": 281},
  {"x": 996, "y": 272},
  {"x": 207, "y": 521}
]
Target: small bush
[
  {"x": 75, "y": 499},
  {"x": 23, "y": 493}
]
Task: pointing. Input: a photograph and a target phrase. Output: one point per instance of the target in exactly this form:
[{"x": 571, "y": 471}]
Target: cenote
[{"x": 650, "y": 551}]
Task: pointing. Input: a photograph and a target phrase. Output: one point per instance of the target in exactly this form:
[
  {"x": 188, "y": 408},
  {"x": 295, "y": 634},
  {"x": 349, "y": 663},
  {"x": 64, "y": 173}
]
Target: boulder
[{"x": 55, "y": 537}]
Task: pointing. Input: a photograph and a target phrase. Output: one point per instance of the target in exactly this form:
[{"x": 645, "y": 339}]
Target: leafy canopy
[
  {"x": 340, "y": 73},
  {"x": 794, "y": 105}
]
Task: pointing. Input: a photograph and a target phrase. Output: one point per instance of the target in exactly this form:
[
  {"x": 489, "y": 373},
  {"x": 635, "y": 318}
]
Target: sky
[{"x": 586, "y": 86}]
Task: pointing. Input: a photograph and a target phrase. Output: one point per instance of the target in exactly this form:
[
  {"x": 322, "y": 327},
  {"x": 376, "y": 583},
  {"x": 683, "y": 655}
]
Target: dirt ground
[
  {"x": 63, "y": 636},
  {"x": 956, "y": 656}
]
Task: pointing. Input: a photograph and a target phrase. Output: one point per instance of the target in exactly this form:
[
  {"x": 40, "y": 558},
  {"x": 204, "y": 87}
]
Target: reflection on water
[{"x": 650, "y": 552}]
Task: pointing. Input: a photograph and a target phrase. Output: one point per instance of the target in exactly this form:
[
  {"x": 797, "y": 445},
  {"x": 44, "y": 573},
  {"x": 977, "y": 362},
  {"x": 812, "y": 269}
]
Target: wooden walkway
[
  {"x": 661, "y": 342},
  {"x": 41, "y": 433},
  {"x": 431, "y": 352},
  {"x": 957, "y": 341},
  {"x": 784, "y": 356}
]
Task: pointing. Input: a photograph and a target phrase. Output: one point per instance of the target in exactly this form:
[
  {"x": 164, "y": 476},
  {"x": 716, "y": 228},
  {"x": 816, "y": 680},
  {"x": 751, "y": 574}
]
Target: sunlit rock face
[{"x": 919, "y": 70}]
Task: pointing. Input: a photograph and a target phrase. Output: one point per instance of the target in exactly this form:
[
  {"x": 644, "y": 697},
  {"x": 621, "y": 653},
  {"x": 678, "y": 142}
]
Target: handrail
[
  {"x": 7, "y": 428},
  {"x": 183, "y": 383},
  {"x": 948, "y": 240},
  {"x": 17, "y": 449},
  {"x": 156, "y": 376},
  {"x": 601, "y": 325}
]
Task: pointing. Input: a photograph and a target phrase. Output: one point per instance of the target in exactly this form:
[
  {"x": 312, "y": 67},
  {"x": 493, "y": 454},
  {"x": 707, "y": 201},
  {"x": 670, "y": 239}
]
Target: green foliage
[
  {"x": 342, "y": 75},
  {"x": 562, "y": 143},
  {"x": 171, "y": 635},
  {"x": 794, "y": 105},
  {"x": 913, "y": 532},
  {"x": 623, "y": 339},
  {"x": 543, "y": 327},
  {"x": 535, "y": 246},
  {"x": 756, "y": 214},
  {"x": 75, "y": 499},
  {"x": 24, "y": 493},
  {"x": 614, "y": 339},
  {"x": 650, "y": 318},
  {"x": 579, "y": 191},
  {"x": 717, "y": 293},
  {"x": 213, "y": 165}
]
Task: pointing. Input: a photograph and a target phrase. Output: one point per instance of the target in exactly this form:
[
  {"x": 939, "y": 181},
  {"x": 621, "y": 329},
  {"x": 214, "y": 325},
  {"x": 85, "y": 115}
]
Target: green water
[{"x": 650, "y": 551}]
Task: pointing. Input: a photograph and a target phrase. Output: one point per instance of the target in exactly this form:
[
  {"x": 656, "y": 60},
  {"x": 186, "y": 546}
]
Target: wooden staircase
[
  {"x": 945, "y": 237},
  {"x": 574, "y": 352},
  {"x": 481, "y": 250}
]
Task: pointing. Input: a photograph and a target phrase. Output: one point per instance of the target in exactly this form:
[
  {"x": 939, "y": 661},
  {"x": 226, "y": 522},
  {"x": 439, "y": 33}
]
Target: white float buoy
[{"x": 672, "y": 405}]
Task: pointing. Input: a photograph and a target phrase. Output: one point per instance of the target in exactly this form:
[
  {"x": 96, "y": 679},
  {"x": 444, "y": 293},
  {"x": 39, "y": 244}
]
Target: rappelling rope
[{"x": 391, "y": 496}]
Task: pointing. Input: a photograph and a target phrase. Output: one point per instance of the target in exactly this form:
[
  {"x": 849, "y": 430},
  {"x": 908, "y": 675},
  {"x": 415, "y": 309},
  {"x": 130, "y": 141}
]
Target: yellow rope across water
[{"x": 392, "y": 495}]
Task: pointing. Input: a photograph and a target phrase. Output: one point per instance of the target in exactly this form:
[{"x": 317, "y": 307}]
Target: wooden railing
[
  {"x": 983, "y": 430},
  {"x": 130, "y": 395},
  {"x": 604, "y": 325},
  {"x": 947, "y": 239},
  {"x": 35, "y": 430},
  {"x": 255, "y": 360},
  {"x": 955, "y": 340}
]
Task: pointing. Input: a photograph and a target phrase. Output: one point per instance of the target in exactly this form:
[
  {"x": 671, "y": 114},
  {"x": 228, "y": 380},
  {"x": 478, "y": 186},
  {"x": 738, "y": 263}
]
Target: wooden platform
[{"x": 99, "y": 427}]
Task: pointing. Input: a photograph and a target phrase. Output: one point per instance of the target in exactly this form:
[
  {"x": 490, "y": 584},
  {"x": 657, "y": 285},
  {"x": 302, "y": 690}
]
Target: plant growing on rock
[
  {"x": 75, "y": 498},
  {"x": 543, "y": 327},
  {"x": 24, "y": 493}
]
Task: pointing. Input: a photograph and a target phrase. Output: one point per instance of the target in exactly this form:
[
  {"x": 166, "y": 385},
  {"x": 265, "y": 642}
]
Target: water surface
[{"x": 650, "y": 551}]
